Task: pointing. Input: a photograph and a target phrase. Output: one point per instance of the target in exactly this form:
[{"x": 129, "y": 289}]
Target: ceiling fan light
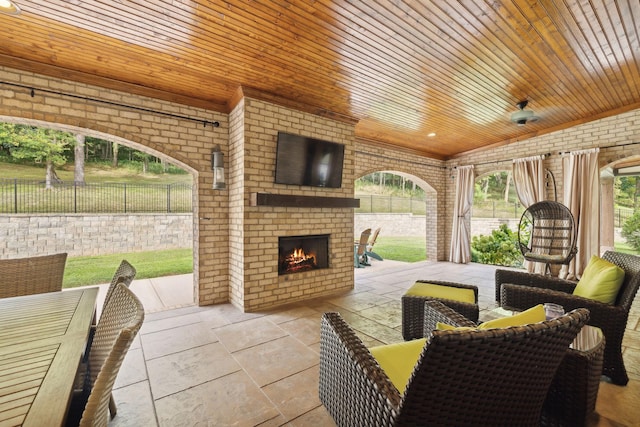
[
  {"x": 9, "y": 7},
  {"x": 521, "y": 116}
]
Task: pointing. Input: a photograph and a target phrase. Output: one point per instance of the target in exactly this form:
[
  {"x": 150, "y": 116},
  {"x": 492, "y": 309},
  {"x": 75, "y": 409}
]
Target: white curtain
[
  {"x": 460, "y": 251},
  {"x": 528, "y": 179},
  {"x": 581, "y": 196}
]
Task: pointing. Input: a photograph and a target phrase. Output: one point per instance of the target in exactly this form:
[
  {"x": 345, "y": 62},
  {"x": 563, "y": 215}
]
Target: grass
[
  {"x": 93, "y": 270},
  {"x": 407, "y": 249}
]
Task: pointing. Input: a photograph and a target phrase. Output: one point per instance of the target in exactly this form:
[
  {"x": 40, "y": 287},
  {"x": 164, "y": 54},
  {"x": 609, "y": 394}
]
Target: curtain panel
[
  {"x": 581, "y": 196},
  {"x": 528, "y": 179},
  {"x": 460, "y": 251}
]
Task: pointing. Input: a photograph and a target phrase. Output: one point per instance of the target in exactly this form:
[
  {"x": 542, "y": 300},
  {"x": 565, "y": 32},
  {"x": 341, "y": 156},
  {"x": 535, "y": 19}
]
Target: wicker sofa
[
  {"x": 494, "y": 377},
  {"x": 519, "y": 290}
]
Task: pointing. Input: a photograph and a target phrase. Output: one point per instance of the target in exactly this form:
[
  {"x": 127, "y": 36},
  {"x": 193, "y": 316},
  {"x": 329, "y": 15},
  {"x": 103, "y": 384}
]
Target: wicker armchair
[
  {"x": 519, "y": 290},
  {"x": 494, "y": 377},
  {"x": 33, "y": 275},
  {"x": 118, "y": 326}
]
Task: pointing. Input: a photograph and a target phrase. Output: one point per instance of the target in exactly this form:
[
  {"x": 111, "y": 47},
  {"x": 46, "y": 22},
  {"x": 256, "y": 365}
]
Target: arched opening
[
  {"x": 403, "y": 207},
  {"x": 82, "y": 234}
]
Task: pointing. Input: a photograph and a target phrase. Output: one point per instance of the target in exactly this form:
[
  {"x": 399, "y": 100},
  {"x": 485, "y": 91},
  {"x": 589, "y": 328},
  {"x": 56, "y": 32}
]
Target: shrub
[
  {"x": 631, "y": 230},
  {"x": 500, "y": 248}
]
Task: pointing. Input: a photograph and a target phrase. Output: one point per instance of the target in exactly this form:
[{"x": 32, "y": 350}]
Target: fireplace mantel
[{"x": 289, "y": 200}]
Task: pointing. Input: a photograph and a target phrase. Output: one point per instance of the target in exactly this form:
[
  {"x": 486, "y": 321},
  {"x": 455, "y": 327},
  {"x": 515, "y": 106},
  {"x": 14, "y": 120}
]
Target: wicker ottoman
[{"x": 462, "y": 298}]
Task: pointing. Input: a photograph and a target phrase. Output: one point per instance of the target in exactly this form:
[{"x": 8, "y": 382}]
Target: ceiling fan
[{"x": 522, "y": 116}]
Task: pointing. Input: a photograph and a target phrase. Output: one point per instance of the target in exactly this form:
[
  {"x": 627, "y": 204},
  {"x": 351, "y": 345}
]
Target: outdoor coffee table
[{"x": 573, "y": 393}]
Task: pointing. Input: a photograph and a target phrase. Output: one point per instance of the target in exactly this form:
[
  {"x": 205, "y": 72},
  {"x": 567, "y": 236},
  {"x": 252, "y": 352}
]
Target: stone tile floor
[{"x": 217, "y": 366}]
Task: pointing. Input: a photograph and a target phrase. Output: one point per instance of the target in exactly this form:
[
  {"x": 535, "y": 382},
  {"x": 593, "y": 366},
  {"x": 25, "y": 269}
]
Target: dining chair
[
  {"x": 125, "y": 273},
  {"x": 32, "y": 275},
  {"x": 118, "y": 326}
]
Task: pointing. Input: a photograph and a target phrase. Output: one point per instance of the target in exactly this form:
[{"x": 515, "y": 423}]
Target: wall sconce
[{"x": 217, "y": 165}]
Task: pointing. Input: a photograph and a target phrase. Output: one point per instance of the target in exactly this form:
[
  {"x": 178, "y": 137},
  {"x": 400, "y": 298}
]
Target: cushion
[
  {"x": 533, "y": 315},
  {"x": 600, "y": 281},
  {"x": 398, "y": 360},
  {"x": 422, "y": 289}
]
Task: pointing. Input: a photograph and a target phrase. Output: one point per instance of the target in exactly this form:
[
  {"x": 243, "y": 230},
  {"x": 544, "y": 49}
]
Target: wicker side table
[{"x": 573, "y": 393}]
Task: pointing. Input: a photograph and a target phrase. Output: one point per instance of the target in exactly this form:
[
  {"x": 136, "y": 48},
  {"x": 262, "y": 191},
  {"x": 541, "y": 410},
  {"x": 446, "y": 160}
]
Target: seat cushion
[
  {"x": 398, "y": 360},
  {"x": 600, "y": 281},
  {"x": 422, "y": 289}
]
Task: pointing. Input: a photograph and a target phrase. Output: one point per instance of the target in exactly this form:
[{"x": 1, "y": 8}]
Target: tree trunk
[
  {"x": 78, "y": 171},
  {"x": 49, "y": 176},
  {"x": 114, "y": 160},
  {"x": 506, "y": 188},
  {"x": 635, "y": 195}
]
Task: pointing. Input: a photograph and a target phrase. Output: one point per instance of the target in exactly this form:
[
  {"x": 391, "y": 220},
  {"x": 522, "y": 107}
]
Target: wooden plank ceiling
[{"x": 401, "y": 69}]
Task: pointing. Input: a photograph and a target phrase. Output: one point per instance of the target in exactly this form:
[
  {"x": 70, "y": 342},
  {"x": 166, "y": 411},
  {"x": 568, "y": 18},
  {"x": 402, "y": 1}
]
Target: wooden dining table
[{"x": 42, "y": 340}]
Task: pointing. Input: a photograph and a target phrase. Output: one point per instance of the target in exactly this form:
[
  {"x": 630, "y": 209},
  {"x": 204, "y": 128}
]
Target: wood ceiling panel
[{"x": 400, "y": 69}]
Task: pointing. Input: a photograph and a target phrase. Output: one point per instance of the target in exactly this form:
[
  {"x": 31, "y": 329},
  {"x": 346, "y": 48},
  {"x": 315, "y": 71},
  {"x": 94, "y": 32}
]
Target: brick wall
[
  {"x": 87, "y": 235},
  {"x": 254, "y": 280}
]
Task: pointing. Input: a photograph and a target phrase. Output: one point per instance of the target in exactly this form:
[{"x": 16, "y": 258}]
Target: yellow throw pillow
[
  {"x": 398, "y": 360},
  {"x": 600, "y": 281},
  {"x": 445, "y": 327},
  {"x": 422, "y": 289},
  {"x": 533, "y": 315}
]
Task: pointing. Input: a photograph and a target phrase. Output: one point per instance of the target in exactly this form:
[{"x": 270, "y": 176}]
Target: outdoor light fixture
[
  {"x": 9, "y": 7},
  {"x": 217, "y": 165}
]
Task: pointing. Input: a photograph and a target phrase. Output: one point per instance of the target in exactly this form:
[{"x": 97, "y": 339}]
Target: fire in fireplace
[{"x": 302, "y": 253}]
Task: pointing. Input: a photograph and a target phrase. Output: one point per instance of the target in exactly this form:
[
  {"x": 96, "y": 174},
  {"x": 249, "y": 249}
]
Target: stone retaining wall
[{"x": 87, "y": 235}]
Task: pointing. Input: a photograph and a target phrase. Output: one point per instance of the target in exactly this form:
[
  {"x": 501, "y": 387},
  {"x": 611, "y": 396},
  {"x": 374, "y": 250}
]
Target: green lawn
[
  {"x": 92, "y": 270},
  {"x": 407, "y": 249}
]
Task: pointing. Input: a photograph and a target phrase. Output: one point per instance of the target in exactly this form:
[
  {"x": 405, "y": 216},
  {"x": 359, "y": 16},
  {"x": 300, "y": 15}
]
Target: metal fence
[
  {"x": 391, "y": 204},
  {"x": 26, "y": 196},
  {"x": 489, "y": 209}
]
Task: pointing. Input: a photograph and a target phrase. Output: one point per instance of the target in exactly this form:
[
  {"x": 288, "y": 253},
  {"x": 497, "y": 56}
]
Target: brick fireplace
[{"x": 256, "y": 229}]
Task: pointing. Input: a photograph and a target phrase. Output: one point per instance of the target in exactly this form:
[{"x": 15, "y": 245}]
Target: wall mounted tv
[{"x": 307, "y": 161}]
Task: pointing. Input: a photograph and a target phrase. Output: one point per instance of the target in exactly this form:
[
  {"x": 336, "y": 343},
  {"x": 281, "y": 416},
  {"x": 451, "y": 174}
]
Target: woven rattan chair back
[
  {"x": 125, "y": 273},
  {"x": 547, "y": 233},
  {"x": 631, "y": 266},
  {"x": 33, "y": 275},
  {"x": 118, "y": 326}
]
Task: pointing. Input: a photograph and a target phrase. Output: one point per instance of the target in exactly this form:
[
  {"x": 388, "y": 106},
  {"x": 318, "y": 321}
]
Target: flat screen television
[{"x": 308, "y": 161}]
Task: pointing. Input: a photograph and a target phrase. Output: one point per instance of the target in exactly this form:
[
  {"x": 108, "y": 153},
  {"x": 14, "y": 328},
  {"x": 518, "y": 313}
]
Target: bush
[
  {"x": 500, "y": 248},
  {"x": 631, "y": 230}
]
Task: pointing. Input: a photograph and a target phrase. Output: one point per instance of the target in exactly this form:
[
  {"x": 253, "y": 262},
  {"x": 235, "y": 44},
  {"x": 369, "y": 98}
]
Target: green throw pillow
[
  {"x": 398, "y": 360},
  {"x": 600, "y": 281}
]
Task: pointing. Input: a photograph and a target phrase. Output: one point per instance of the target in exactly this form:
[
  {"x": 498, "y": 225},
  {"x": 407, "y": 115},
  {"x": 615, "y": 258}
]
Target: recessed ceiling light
[
  {"x": 431, "y": 135},
  {"x": 9, "y": 7}
]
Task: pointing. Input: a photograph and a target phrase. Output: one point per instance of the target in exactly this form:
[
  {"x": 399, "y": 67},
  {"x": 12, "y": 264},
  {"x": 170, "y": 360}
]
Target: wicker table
[
  {"x": 42, "y": 339},
  {"x": 572, "y": 396}
]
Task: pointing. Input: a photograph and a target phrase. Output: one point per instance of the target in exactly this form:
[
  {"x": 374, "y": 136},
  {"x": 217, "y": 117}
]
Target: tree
[
  {"x": 40, "y": 145},
  {"x": 78, "y": 171}
]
